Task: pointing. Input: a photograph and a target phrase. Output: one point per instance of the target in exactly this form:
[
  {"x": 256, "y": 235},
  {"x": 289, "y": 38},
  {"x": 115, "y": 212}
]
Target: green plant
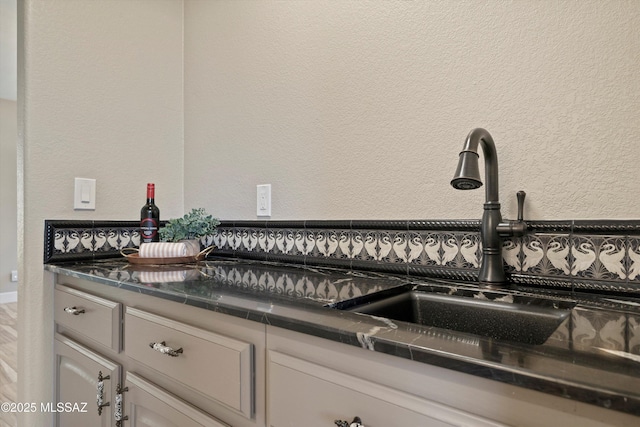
[{"x": 194, "y": 225}]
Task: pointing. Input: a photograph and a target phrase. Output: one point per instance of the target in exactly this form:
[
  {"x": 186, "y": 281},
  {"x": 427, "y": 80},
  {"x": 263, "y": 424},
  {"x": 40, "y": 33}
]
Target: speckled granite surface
[{"x": 593, "y": 355}]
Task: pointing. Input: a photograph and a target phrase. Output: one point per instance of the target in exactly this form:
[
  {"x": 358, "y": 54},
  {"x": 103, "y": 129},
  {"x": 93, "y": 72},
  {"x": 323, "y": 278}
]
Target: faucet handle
[
  {"x": 521, "y": 195},
  {"x": 514, "y": 228}
]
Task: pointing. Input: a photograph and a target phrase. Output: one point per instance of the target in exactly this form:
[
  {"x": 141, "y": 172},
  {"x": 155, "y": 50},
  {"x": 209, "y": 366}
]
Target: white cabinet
[
  {"x": 232, "y": 371},
  {"x": 81, "y": 376},
  {"x": 97, "y": 319},
  {"x": 147, "y": 405},
  {"x": 304, "y": 391},
  {"x": 313, "y": 381},
  {"x": 217, "y": 366},
  {"x": 90, "y": 390},
  {"x": 179, "y": 365}
]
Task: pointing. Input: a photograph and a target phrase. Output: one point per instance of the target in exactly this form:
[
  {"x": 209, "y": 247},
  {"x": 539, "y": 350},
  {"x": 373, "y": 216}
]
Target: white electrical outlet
[
  {"x": 264, "y": 200},
  {"x": 14, "y": 275}
]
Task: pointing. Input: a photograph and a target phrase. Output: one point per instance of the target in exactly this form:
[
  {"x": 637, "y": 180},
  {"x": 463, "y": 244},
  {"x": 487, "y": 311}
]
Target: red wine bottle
[{"x": 150, "y": 218}]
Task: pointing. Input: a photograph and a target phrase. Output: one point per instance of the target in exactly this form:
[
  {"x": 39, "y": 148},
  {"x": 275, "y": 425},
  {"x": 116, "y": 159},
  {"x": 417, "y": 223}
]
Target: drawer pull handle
[
  {"x": 161, "y": 347},
  {"x": 100, "y": 392},
  {"x": 357, "y": 422},
  {"x": 117, "y": 412},
  {"x": 73, "y": 310}
]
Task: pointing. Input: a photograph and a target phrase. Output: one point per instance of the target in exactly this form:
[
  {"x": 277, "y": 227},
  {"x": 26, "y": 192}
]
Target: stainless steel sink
[{"x": 492, "y": 314}]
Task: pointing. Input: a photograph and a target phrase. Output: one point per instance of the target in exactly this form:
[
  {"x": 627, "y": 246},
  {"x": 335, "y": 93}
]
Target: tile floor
[{"x": 8, "y": 359}]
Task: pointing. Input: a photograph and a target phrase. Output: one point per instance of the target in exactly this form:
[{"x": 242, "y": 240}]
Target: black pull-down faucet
[{"x": 467, "y": 177}]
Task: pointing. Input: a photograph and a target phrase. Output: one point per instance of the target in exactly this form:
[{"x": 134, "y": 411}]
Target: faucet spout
[{"x": 467, "y": 177}]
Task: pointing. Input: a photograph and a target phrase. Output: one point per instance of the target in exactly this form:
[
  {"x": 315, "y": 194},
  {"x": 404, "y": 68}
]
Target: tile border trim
[{"x": 573, "y": 254}]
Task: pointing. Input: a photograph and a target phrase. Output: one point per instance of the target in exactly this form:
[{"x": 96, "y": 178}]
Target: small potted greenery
[
  {"x": 193, "y": 226},
  {"x": 189, "y": 230}
]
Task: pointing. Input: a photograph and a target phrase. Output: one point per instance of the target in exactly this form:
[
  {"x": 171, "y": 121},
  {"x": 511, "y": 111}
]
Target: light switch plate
[
  {"x": 85, "y": 194},
  {"x": 264, "y": 200}
]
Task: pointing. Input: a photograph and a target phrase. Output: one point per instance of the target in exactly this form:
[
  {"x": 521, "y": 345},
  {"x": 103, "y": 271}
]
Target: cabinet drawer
[
  {"x": 301, "y": 390},
  {"x": 147, "y": 405},
  {"x": 96, "y": 318},
  {"x": 217, "y": 366}
]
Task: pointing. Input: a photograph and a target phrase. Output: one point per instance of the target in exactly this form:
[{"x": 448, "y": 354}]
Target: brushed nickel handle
[
  {"x": 161, "y": 347},
  {"x": 100, "y": 392},
  {"x": 73, "y": 310},
  {"x": 117, "y": 412}
]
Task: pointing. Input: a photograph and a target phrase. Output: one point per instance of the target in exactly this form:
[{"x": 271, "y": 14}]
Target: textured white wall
[
  {"x": 100, "y": 96},
  {"x": 8, "y": 56},
  {"x": 358, "y": 109},
  {"x": 8, "y": 143},
  {"x": 8, "y": 195}
]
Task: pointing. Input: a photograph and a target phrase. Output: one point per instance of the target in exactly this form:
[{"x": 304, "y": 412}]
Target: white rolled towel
[{"x": 169, "y": 249}]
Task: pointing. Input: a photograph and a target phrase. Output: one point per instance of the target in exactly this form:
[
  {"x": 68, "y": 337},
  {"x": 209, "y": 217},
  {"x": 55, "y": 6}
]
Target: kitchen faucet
[{"x": 467, "y": 177}]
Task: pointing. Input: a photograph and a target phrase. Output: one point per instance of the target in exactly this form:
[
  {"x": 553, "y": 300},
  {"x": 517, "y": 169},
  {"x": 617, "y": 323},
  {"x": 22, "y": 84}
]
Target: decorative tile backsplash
[
  {"x": 597, "y": 255},
  {"x": 86, "y": 240}
]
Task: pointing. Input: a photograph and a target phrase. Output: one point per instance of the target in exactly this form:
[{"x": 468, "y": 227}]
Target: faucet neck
[{"x": 481, "y": 137}]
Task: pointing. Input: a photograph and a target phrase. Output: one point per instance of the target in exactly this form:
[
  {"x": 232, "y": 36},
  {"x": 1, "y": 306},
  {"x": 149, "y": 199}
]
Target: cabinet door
[
  {"x": 303, "y": 393},
  {"x": 147, "y": 405},
  {"x": 77, "y": 376}
]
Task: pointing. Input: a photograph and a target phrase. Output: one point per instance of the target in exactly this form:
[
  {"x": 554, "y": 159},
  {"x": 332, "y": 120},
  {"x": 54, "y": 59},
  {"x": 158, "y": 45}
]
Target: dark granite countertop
[{"x": 593, "y": 356}]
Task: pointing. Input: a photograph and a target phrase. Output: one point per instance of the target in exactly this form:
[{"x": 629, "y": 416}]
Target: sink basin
[{"x": 491, "y": 314}]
